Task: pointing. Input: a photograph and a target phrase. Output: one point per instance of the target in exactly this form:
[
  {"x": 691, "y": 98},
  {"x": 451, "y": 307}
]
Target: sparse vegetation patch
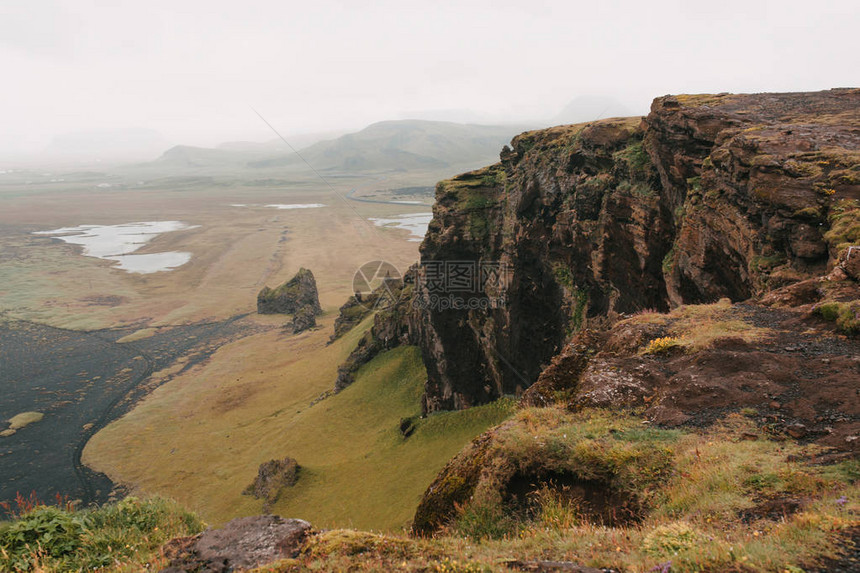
[
  {"x": 846, "y": 315},
  {"x": 120, "y": 537}
]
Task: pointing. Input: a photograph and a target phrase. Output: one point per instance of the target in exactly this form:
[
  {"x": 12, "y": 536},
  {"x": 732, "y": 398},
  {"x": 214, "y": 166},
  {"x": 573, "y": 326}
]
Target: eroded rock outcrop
[
  {"x": 573, "y": 215},
  {"x": 351, "y": 313},
  {"x": 394, "y": 324},
  {"x": 298, "y": 296},
  {"x": 756, "y": 184},
  {"x": 272, "y": 478},
  {"x": 707, "y": 197}
]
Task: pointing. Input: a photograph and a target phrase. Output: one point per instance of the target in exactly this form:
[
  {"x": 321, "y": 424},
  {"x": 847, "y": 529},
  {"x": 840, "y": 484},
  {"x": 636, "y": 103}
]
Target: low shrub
[
  {"x": 661, "y": 345},
  {"x": 846, "y": 315},
  {"x": 125, "y": 534},
  {"x": 45, "y": 533},
  {"x": 672, "y": 538}
]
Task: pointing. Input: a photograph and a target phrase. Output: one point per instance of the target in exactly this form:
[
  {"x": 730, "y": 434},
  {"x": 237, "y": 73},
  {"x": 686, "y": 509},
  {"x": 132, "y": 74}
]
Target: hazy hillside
[
  {"x": 398, "y": 145},
  {"x": 406, "y": 144},
  {"x": 189, "y": 156},
  {"x": 277, "y": 145}
]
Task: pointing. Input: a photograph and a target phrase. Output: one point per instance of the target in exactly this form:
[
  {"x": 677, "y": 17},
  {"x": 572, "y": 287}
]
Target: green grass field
[
  {"x": 357, "y": 468},
  {"x": 201, "y": 437}
]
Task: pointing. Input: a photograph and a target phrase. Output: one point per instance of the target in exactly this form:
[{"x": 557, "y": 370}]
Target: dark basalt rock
[
  {"x": 272, "y": 478},
  {"x": 243, "y": 543},
  {"x": 851, "y": 264},
  {"x": 353, "y": 311},
  {"x": 304, "y": 319},
  {"x": 298, "y": 296},
  {"x": 563, "y": 373},
  {"x": 708, "y": 197}
]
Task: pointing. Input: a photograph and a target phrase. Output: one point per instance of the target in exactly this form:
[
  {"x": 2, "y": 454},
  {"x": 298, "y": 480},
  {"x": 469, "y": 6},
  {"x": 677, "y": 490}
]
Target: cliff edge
[{"x": 708, "y": 197}]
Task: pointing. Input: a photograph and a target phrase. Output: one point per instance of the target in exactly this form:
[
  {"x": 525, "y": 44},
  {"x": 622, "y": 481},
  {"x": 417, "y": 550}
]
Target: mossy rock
[
  {"x": 452, "y": 488},
  {"x": 272, "y": 478},
  {"x": 846, "y": 315},
  {"x": 296, "y": 294}
]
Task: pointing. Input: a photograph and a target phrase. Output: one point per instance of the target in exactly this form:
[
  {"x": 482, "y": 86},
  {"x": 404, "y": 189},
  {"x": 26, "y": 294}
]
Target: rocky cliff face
[
  {"x": 707, "y": 197},
  {"x": 395, "y": 323},
  {"x": 754, "y": 182}
]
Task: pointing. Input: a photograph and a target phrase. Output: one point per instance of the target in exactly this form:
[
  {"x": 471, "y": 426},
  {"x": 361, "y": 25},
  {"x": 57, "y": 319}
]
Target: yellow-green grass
[
  {"x": 697, "y": 327},
  {"x": 122, "y": 537},
  {"x": 700, "y": 516},
  {"x": 357, "y": 468},
  {"x": 201, "y": 437},
  {"x": 845, "y": 226}
]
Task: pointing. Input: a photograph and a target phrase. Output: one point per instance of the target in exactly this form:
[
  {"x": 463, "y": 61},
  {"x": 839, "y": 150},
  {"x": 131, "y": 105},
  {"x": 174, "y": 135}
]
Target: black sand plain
[{"x": 80, "y": 381}]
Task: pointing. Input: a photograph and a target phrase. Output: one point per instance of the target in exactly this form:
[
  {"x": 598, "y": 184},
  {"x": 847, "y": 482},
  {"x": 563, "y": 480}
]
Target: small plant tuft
[
  {"x": 123, "y": 535},
  {"x": 662, "y": 345},
  {"x": 846, "y": 315},
  {"x": 484, "y": 521},
  {"x": 671, "y": 539}
]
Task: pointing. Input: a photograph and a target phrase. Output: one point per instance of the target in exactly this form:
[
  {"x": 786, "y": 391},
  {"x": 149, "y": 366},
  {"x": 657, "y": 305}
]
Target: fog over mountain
[
  {"x": 193, "y": 71},
  {"x": 107, "y": 144}
]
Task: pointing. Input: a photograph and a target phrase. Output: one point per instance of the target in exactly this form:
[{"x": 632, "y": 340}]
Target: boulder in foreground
[{"x": 243, "y": 543}]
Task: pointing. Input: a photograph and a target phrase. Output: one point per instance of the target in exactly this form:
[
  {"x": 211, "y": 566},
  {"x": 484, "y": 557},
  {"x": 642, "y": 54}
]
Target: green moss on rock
[{"x": 298, "y": 296}]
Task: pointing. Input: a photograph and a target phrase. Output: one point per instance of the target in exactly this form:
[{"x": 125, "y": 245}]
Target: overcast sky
[{"x": 192, "y": 70}]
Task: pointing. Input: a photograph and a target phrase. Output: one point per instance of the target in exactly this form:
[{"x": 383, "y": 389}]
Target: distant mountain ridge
[
  {"x": 404, "y": 144},
  {"x": 382, "y": 146}
]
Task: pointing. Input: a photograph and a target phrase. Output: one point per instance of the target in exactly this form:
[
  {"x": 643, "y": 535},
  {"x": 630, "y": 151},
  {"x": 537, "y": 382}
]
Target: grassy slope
[
  {"x": 712, "y": 499},
  {"x": 357, "y": 468},
  {"x": 200, "y": 437}
]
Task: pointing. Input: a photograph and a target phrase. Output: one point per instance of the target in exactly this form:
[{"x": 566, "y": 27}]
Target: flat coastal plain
[{"x": 82, "y": 342}]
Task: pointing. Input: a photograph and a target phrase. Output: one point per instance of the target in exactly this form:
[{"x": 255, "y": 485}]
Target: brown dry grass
[
  {"x": 697, "y": 327},
  {"x": 235, "y": 252}
]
